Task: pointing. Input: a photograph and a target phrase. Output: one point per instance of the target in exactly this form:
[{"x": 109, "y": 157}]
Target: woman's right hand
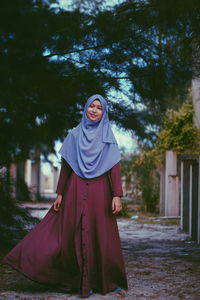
[{"x": 57, "y": 203}]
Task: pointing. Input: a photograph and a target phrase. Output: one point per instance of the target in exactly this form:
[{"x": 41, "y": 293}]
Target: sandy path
[{"x": 161, "y": 263}]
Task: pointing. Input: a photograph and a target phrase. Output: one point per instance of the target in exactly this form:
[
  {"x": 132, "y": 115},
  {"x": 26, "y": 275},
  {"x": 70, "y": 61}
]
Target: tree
[
  {"x": 129, "y": 175},
  {"x": 178, "y": 132},
  {"x": 140, "y": 174},
  {"x": 145, "y": 169},
  {"x": 13, "y": 218},
  {"x": 38, "y": 94},
  {"x": 52, "y": 60}
]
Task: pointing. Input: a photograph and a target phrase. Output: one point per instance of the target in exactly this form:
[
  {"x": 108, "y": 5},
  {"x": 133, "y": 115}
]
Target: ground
[{"x": 161, "y": 264}]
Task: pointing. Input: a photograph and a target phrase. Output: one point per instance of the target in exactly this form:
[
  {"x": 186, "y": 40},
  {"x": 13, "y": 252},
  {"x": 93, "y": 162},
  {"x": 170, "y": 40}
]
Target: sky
[{"x": 66, "y": 3}]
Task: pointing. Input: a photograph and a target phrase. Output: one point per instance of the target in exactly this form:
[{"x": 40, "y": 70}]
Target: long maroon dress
[{"x": 77, "y": 247}]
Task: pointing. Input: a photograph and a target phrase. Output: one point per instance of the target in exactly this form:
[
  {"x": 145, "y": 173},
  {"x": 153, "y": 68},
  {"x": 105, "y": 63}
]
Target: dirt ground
[{"x": 161, "y": 264}]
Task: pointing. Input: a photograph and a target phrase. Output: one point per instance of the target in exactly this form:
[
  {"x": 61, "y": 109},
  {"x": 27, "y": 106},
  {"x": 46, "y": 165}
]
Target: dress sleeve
[
  {"x": 116, "y": 183},
  {"x": 64, "y": 175}
]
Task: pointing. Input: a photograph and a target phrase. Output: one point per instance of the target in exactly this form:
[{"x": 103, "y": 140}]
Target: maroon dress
[{"x": 79, "y": 246}]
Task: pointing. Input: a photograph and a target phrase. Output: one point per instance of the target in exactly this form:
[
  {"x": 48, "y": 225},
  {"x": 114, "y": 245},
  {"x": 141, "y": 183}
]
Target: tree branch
[
  {"x": 75, "y": 51},
  {"x": 105, "y": 45}
]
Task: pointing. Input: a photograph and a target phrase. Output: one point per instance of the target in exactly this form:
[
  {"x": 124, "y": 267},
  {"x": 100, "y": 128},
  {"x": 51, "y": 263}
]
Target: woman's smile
[{"x": 94, "y": 111}]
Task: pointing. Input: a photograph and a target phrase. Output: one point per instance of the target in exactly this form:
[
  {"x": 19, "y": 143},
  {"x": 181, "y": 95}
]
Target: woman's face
[{"x": 94, "y": 111}]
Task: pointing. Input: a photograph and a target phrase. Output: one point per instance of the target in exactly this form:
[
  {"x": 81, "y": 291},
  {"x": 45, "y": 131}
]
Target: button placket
[{"x": 85, "y": 278}]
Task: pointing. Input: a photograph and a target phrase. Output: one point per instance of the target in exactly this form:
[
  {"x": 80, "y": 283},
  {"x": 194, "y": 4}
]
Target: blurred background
[{"x": 143, "y": 57}]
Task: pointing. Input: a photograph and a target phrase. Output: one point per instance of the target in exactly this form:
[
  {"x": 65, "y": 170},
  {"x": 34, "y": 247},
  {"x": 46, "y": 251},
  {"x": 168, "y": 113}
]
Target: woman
[{"x": 77, "y": 245}]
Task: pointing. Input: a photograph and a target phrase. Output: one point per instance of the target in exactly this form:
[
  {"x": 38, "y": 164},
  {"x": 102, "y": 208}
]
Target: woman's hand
[
  {"x": 57, "y": 203},
  {"x": 116, "y": 205}
]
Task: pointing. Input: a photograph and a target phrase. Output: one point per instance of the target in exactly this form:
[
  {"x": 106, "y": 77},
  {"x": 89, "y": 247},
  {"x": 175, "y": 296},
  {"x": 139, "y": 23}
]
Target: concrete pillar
[
  {"x": 181, "y": 194},
  {"x": 196, "y": 103},
  {"x": 185, "y": 192},
  {"x": 13, "y": 177},
  {"x": 190, "y": 200},
  {"x": 27, "y": 172},
  {"x": 48, "y": 181},
  {"x": 198, "y": 216},
  {"x": 13, "y": 171},
  {"x": 171, "y": 185},
  {"x": 42, "y": 183},
  {"x": 194, "y": 199},
  {"x": 56, "y": 176},
  {"x": 196, "y": 100},
  {"x": 35, "y": 177},
  {"x": 162, "y": 190},
  {"x": 190, "y": 197}
]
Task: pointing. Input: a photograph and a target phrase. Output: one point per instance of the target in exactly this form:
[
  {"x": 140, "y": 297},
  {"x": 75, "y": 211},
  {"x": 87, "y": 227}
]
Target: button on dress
[{"x": 79, "y": 246}]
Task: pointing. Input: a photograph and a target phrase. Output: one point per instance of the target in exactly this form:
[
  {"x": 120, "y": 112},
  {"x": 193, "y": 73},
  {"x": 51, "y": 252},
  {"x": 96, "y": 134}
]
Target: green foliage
[
  {"x": 127, "y": 168},
  {"x": 145, "y": 169},
  {"x": 53, "y": 59},
  {"x": 178, "y": 131},
  {"x": 142, "y": 168},
  {"x": 22, "y": 191},
  {"x": 129, "y": 176}
]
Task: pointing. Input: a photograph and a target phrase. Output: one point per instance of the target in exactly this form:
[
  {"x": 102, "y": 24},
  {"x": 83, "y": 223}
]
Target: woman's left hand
[{"x": 116, "y": 205}]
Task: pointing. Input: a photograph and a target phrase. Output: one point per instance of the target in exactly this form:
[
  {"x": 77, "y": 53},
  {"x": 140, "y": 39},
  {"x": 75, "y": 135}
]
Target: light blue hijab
[{"x": 91, "y": 148}]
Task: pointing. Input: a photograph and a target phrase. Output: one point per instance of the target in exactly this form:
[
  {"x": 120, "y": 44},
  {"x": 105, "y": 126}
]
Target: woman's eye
[{"x": 97, "y": 107}]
